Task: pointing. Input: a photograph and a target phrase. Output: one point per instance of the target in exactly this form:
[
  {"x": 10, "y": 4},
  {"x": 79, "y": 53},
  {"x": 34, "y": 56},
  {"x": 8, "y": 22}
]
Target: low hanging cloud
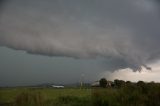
[{"x": 125, "y": 33}]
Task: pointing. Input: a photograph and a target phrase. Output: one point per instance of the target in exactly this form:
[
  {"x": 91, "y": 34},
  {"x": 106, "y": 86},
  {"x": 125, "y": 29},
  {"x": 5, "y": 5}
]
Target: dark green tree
[
  {"x": 103, "y": 82},
  {"x": 141, "y": 83},
  {"x": 119, "y": 83},
  {"x": 129, "y": 83},
  {"x": 142, "y": 86}
]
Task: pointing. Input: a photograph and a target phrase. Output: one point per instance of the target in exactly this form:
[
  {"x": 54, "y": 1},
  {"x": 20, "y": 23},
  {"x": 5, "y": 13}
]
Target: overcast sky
[{"x": 59, "y": 41}]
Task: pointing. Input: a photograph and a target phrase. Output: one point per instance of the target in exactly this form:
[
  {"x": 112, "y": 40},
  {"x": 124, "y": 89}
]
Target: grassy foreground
[
  {"x": 44, "y": 97},
  {"x": 128, "y": 95}
]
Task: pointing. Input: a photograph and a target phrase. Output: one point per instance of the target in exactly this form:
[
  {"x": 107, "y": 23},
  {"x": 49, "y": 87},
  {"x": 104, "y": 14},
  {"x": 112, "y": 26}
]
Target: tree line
[{"x": 121, "y": 83}]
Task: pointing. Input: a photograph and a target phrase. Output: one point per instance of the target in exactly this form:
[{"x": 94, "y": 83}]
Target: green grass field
[
  {"x": 44, "y": 96},
  {"x": 129, "y": 95}
]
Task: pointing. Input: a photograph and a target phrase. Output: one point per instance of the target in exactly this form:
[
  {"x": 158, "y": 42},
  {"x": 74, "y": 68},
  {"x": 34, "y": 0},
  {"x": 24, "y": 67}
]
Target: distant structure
[
  {"x": 97, "y": 84},
  {"x": 81, "y": 82},
  {"x": 57, "y": 86},
  {"x": 110, "y": 83}
]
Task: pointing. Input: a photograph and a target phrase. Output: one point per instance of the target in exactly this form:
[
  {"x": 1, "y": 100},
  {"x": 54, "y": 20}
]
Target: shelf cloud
[{"x": 125, "y": 33}]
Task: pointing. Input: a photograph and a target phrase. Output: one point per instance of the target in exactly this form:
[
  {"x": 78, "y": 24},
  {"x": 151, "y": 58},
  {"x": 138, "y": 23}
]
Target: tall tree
[{"x": 103, "y": 82}]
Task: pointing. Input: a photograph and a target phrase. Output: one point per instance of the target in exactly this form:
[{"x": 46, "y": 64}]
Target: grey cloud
[{"x": 124, "y": 33}]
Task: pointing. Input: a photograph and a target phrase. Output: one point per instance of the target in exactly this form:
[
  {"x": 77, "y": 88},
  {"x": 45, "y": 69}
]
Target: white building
[{"x": 57, "y": 86}]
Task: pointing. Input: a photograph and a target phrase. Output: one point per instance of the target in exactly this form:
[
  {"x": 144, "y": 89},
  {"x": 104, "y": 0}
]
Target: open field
[
  {"x": 129, "y": 95},
  {"x": 43, "y": 96}
]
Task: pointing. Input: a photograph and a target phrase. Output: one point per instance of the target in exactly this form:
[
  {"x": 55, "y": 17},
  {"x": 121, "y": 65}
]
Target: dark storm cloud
[
  {"x": 125, "y": 33},
  {"x": 2, "y": 3}
]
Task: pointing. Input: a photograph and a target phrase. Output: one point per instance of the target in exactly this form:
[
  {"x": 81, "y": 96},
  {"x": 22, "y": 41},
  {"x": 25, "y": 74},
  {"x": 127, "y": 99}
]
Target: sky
[{"x": 66, "y": 41}]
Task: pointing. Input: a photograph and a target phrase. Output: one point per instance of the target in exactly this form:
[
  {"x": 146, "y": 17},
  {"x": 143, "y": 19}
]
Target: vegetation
[
  {"x": 103, "y": 82},
  {"x": 121, "y": 94},
  {"x": 119, "y": 83},
  {"x": 128, "y": 94},
  {"x": 44, "y": 97}
]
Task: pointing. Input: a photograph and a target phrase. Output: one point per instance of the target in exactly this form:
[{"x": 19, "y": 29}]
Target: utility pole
[{"x": 81, "y": 82}]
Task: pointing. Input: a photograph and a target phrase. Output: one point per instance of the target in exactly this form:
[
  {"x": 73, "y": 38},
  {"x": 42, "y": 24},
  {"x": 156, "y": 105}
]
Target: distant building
[
  {"x": 57, "y": 86},
  {"x": 110, "y": 83},
  {"x": 97, "y": 84}
]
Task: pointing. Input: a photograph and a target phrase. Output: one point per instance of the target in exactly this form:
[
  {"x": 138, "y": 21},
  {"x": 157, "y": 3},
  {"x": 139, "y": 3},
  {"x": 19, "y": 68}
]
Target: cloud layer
[{"x": 124, "y": 33}]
